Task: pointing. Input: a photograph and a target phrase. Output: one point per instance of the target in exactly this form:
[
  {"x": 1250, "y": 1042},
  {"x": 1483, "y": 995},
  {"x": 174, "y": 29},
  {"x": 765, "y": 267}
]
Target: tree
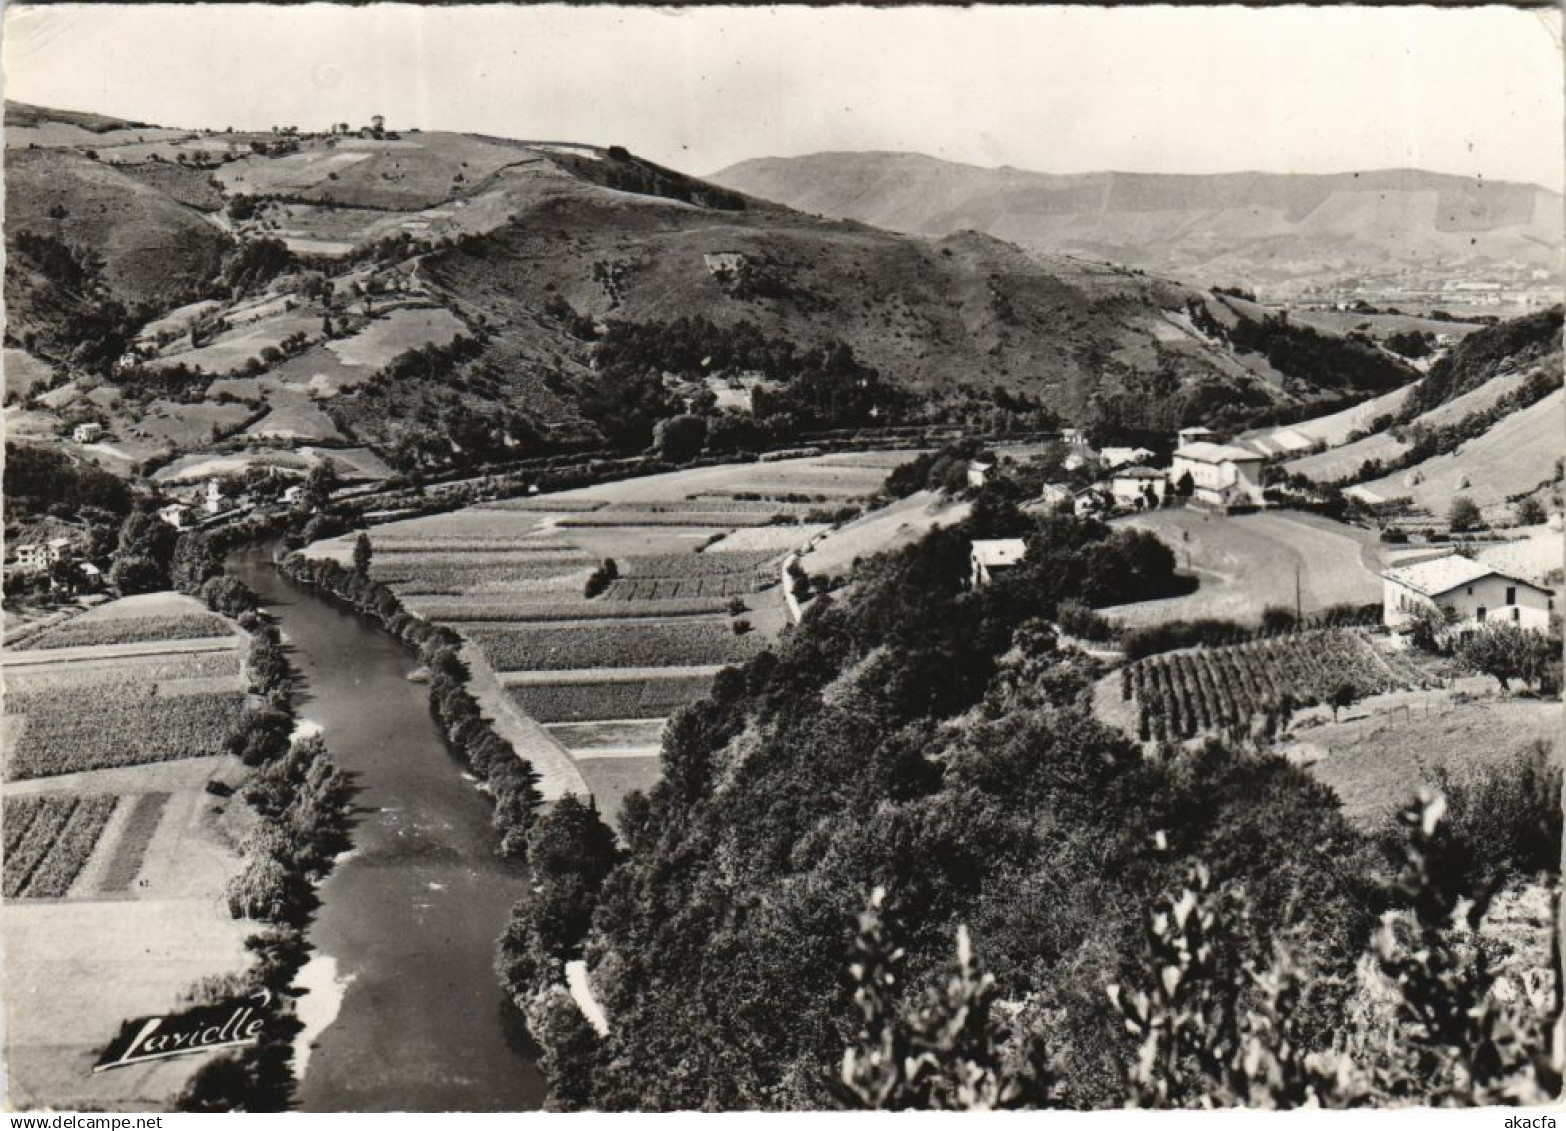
[
  {"x": 362, "y": 553},
  {"x": 1506, "y": 652},
  {"x": 1530, "y": 512},
  {"x": 1463, "y": 514},
  {"x": 1429, "y": 626},
  {"x": 679, "y": 439},
  {"x": 942, "y": 1054},
  {"x": 1185, "y": 485},
  {"x": 1343, "y": 695}
]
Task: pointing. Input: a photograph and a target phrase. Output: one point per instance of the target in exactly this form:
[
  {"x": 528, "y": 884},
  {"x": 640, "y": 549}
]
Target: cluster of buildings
[
  {"x": 43, "y": 555},
  {"x": 1202, "y": 471}
]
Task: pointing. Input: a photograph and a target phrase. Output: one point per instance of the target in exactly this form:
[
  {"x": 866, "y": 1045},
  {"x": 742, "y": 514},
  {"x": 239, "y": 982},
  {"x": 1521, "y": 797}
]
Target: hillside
[
  {"x": 1283, "y": 232},
  {"x": 450, "y": 299}
]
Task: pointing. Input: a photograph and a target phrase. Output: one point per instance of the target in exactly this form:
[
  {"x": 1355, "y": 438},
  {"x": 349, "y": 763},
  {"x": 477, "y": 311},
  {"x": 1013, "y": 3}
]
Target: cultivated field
[
  {"x": 696, "y": 553},
  {"x": 1244, "y": 563},
  {"x": 1178, "y": 695},
  {"x": 115, "y": 852}
]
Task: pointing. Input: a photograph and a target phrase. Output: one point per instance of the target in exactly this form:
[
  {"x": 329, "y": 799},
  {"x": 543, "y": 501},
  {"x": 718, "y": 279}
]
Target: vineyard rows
[
  {"x": 1181, "y": 694},
  {"x": 48, "y": 839}
]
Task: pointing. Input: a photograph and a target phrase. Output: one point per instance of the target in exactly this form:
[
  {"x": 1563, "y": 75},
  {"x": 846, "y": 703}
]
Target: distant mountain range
[{"x": 1280, "y": 233}]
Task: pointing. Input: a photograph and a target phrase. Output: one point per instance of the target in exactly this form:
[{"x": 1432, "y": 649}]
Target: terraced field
[{"x": 698, "y": 559}]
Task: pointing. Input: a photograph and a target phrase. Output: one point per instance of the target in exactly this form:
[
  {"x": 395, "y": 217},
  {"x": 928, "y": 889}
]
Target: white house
[
  {"x": 1122, "y": 457},
  {"x": 88, "y": 433},
  {"x": 42, "y": 555},
  {"x": 1131, "y": 486},
  {"x": 1053, "y": 497},
  {"x": 1221, "y": 475},
  {"x": 992, "y": 556},
  {"x": 723, "y": 262},
  {"x": 176, "y": 515},
  {"x": 979, "y": 472},
  {"x": 1468, "y": 592},
  {"x": 1074, "y": 437}
]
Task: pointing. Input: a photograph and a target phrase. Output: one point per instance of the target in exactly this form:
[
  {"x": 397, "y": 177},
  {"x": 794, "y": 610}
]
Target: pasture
[
  {"x": 1514, "y": 456},
  {"x": 395, "y": 333},
  {"x": 1244, "y": 563},
  {"x": 1375, "y": 763}
]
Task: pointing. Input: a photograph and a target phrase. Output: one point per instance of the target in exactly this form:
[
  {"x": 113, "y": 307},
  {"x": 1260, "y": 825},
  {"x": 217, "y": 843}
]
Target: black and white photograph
[{"x": 794, "y": 559}]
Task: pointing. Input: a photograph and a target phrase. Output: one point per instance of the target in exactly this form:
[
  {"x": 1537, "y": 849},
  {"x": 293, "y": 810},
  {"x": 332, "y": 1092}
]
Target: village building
[
  {"x": 1053, "y": 496},
  {"x": 1195, "y": 435},
  {"x": 1074, "y": 437},
  {"x": 1142, "y": 487},
  {"x": 1222, "y": 476},
  {"x": 979, "y": 472},
  {"x": 1123, "y": 457},
  {"x": 1469, "y": 593},
  {"x": 176, "y": 515},
  {"x": 991, "y": 557},
  {"x": 89, "y": 433},
  {"x": 42, "y": 555},
  {"x": 1092, "y": 500}
]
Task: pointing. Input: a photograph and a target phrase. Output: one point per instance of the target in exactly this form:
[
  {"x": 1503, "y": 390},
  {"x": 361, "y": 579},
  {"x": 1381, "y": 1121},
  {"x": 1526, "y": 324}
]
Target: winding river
[{"x": 403, "y": 1010}]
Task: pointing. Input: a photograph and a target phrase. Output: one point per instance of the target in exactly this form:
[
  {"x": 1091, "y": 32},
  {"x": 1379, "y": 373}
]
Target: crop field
[
  {"x": 48, "y": 838},
  {"x": 478, "y": 523},
  {"x": 221, "y": 664},
  {"x": 122, "y": 723},
  {"x": 1181, "y": 694},
  {"x": 455, "y": 579},
  {"x": 605, "y": 735},
  {"x": 658, "y": 590},
  {"x": 145, "y": 816},
  {"x": 1245, "y": 563},
  {"x": 670, "y": 643},
  {"x": 387, "y": 545},
  {"x": 773, "y": 540},
  {"x": 91, "y": 630},
  {"x": 705, "y": 518},
  {"x": 545, "y": 504},
  {"x": 464, "y": 610},
  {"x": 608, "y": 699}
]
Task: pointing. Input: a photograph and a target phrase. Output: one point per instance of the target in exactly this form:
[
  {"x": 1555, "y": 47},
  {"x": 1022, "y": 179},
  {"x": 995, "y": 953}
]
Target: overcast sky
[{"x": 1475, "y": 92}]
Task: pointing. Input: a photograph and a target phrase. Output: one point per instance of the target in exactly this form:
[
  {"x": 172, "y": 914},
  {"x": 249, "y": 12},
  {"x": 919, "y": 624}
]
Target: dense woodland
[{"x": 930, "y": 741}]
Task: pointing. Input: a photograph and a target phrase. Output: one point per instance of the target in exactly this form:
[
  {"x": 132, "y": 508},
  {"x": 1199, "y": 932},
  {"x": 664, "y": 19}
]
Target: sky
[{"x": 1476, "y": 92}]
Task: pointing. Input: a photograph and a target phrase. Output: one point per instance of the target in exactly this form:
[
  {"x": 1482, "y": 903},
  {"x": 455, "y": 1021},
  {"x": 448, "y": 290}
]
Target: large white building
[
  {"x": 1221, "y": 475},
  {"x": 42, "y": 555},
  {"x": 1469, "y": 593}
]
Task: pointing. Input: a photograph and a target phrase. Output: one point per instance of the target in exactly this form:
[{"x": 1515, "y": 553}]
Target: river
[{"x": 405, "y": 935}]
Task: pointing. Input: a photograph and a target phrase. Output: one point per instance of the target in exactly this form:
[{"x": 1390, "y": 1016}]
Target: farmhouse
[
  {"x": 88, "y": 433},
  {"x": 979, "y": 472},
  {"x": 993, "y": 556},
  {"x": 1221, "y": 475},
  {"x": 1468, "y": 592},
  {"x": 176, "y": 515},
  {"x": 1142, "y": 487},
  {"x": 1074, "y": 437}
]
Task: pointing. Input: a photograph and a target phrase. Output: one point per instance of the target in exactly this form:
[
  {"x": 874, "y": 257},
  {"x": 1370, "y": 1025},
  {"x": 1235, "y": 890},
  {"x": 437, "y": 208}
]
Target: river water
[{"x": 405, "y": 935}]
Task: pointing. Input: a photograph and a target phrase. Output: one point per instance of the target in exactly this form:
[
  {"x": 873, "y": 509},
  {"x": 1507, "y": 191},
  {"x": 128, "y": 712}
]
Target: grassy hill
[
  {"x": 451, "y": 296},
  {"x": 1252, "y": 228}
]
